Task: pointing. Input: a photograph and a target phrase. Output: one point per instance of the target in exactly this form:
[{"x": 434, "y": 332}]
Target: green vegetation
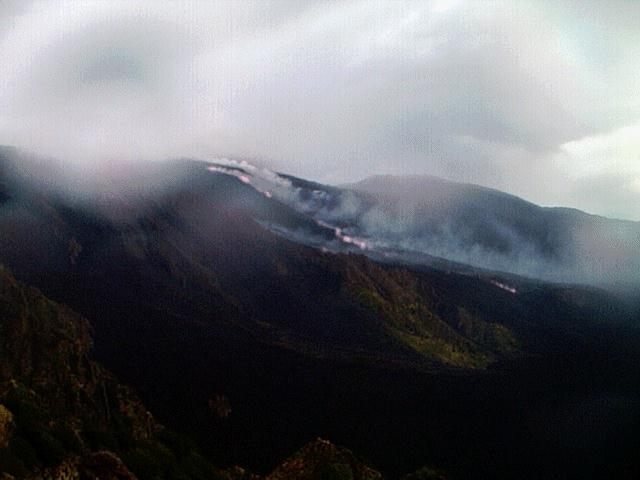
[{"x": 462, "y": 340}]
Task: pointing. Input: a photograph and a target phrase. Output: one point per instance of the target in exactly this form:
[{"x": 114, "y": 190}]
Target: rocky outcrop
[
  {"x": 321, "y": 460},
  {"x": 62, "y": 415}
]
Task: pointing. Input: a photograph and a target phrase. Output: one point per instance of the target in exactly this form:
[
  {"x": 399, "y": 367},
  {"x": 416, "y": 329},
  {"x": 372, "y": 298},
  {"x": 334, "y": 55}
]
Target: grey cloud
[{"x": 608, "y": 193}]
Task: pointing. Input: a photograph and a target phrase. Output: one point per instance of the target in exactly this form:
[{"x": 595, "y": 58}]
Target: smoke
[{"x": 414, "y": 219}]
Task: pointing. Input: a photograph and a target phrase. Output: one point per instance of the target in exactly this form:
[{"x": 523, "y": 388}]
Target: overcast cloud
[{"x": 538, "y": 99}]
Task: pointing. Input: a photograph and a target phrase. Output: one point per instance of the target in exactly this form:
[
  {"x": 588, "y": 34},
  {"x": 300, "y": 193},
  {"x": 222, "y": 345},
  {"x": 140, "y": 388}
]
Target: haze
[{"x": 535, "y": 98}]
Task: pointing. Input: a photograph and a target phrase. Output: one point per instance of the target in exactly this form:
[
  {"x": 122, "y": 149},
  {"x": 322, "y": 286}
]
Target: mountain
[
  {"x": 494, "y": 230},
  {"x": 203, "y": 251},
  {"x": 427, "y": 220},
  {"x": 417, "y": 220},
  {"x": 248, "y": 316},
  {"x": 423, "y": 220},
  {"x": 198, "y": 253}
]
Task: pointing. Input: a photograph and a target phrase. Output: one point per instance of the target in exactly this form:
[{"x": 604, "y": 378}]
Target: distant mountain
[{"x": 494, "y": 230}]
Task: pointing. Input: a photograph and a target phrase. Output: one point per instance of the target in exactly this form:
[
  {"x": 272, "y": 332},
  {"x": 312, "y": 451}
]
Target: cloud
[
  {"x": 617, "y": 151},
  {"x": 491, "y": 92},
  {"x": 606, "y": 171}
]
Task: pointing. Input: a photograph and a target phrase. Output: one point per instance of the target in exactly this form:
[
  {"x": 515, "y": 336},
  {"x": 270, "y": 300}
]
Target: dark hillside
[{"x": 62, "y": 413}]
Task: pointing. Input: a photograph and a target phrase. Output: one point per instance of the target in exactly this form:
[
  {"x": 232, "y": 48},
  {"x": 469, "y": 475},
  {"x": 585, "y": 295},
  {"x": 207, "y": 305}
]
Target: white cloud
[
  {"x": 616, "y": 152},
  {"x": 603, "y": 172}
]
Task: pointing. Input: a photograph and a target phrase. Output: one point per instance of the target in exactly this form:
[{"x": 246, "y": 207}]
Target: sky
[{"x": 539, "y": 99}]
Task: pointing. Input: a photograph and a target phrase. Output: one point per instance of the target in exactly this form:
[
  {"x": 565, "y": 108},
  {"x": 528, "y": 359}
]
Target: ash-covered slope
[
  {"x": 197, "y": 252},
  {"x": 200, "y": 250}
]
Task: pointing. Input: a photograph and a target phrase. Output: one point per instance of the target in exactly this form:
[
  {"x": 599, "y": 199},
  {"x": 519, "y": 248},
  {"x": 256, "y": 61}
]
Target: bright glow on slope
[
  {"x": 504, "y": 287},
  {"x": 271, "y": 185}
]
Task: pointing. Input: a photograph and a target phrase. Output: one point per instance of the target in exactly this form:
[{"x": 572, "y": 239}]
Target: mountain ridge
[{"x": 367, "y": 181}]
